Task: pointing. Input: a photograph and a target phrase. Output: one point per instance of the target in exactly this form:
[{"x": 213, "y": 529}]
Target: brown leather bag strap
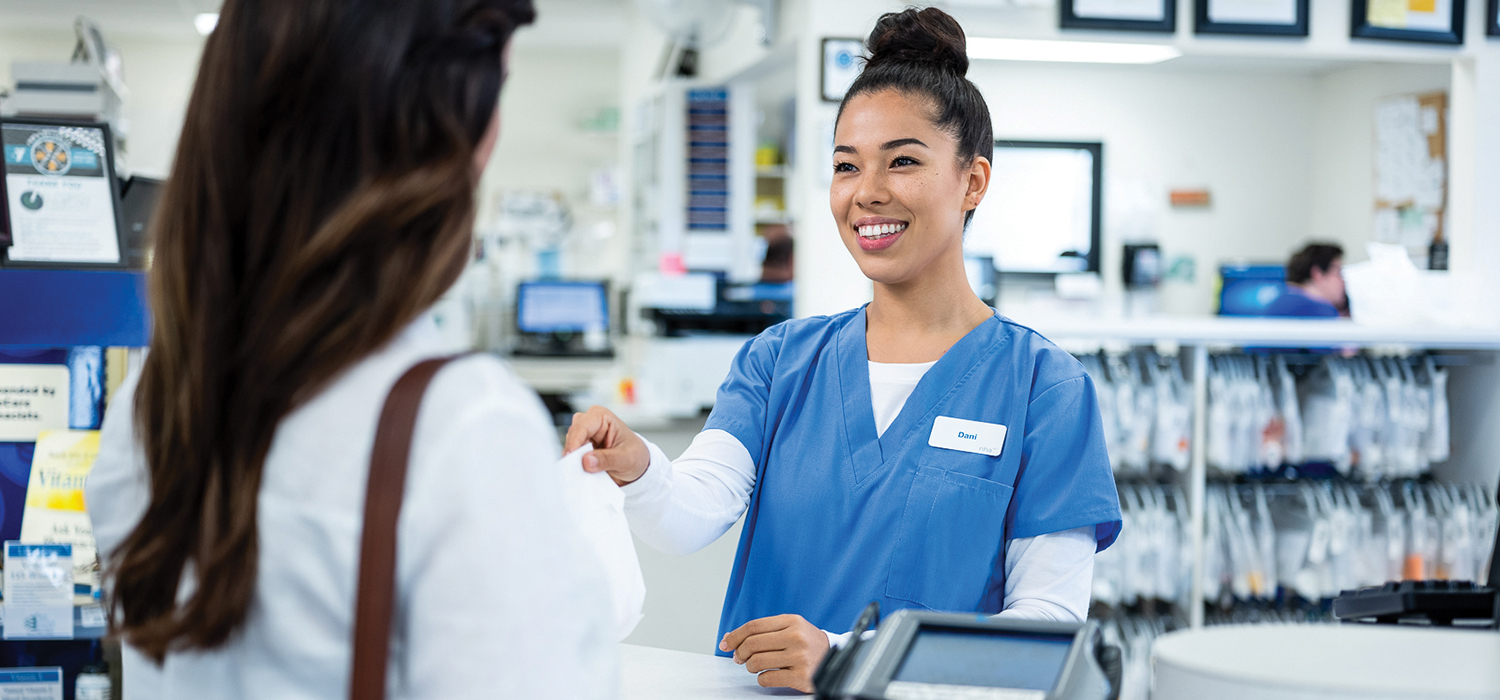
[{"x": 375, "y": 597}]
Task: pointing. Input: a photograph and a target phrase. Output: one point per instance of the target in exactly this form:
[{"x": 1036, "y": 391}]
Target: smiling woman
[{"x": 921, "y": 451}]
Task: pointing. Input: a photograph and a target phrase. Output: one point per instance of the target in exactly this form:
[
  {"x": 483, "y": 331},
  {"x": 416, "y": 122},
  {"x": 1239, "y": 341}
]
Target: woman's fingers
[
  {"x": 786, "y": 678},
  {"x": 578, "y": 433},
  {"x": 762, "y": 625},
  {"x": 596, "y": 425},
  {"x": 783, "y": 650},
  {"x": 771, "y": 660},
  {"x": 624, "y": 463}
]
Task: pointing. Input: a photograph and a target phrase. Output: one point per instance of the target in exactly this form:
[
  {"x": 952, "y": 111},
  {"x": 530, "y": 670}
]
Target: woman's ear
[{"x": 978, "y": 179}]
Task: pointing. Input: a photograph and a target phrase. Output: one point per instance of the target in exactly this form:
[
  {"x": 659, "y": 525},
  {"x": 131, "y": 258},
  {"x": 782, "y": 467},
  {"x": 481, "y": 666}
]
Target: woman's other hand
[
  {"x": 618, "y": 451},
  {"x": 782, "y": 650}
]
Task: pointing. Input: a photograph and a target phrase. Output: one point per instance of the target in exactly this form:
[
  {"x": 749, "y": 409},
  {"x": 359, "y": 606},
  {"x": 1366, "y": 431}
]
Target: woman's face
[{"x": 899, "y": 192}]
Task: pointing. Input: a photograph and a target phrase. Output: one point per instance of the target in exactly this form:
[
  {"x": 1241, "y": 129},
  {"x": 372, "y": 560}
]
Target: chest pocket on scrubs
[{"x": 950, "y": 536}]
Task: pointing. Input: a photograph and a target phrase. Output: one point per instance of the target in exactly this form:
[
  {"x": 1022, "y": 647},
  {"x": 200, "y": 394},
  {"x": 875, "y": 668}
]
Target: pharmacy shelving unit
[
  {"x": 53, "y": 308},
  {"x": 1474, "y": 393}
]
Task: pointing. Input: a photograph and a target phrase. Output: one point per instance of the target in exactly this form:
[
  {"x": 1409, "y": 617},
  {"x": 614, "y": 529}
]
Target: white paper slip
[
  {"x": 598, "y": 508},
  {"x": 38, "y": 591},
  {"x": 43, "y": 683},
  {"x": 967, "y": 436}
]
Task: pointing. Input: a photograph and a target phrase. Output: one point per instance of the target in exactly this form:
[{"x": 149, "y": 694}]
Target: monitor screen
[
  {"x": 985, "y": 658},
  {"x": 1247, "y": 290},
  {"x": 60, "y": 193},
  {"x": 1041, "y": 212},
  {"x": 551, "y": 307}
]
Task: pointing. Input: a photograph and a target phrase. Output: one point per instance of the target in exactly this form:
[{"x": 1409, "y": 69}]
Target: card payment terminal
[{"x": 921, "y": 655}]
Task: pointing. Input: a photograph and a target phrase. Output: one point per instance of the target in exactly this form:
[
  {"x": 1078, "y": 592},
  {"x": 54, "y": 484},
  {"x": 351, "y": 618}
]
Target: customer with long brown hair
[{"x": 321, "y": 201}]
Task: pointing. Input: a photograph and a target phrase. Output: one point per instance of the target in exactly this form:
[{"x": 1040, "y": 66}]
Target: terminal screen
[
  {"x": 551, "y": 307},
  {"x": 985, "y": 658}
]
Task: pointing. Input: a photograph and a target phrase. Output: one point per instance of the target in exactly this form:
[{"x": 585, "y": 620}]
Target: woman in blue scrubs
[{"x": 921, "y": 451}]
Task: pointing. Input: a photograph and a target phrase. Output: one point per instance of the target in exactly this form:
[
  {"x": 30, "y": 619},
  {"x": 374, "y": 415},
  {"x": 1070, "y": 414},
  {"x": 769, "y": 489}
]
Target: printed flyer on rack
[{"x": 58, "y": 195}]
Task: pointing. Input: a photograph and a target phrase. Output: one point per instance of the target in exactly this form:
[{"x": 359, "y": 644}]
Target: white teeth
[{"x": 879, "y": 230}]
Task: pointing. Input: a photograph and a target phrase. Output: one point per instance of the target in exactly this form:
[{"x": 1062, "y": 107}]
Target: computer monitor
[
  {"x": 1247, "y": 290},
  {"x": 551, "y": 307},
  {"x": 1041, "y": 213},
  {"x": 138, "y": 197}
]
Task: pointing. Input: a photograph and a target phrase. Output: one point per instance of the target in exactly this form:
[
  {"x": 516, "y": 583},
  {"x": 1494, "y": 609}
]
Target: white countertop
[
  {"x": 1292, "y": 332},
  {"x": 648, "y": 673},
  {"x": 1326, "y": 662}
]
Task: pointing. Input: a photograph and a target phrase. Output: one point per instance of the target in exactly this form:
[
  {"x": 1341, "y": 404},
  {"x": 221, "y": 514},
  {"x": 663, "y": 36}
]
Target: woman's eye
[
  {"x": 843, "y": 167},
  {"x": 903, "y": 160}
]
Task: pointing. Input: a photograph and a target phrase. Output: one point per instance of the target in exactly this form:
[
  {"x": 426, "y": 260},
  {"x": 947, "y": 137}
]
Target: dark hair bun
[{"x": 927, "y": 35}]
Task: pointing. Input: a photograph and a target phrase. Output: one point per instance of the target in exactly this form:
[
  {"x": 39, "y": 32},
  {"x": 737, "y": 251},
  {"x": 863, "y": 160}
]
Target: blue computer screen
[
  {"x": 550, "y": 307},
  {"x": 1249, "y": 289},
  {"x": 985, "y": 659}
]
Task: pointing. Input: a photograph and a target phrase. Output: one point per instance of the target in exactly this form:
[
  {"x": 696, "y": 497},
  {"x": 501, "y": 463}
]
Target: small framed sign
[
  {"x": 1256, "y": 17},
  {"x": 62, "y": 201},
  {"x": 843, "y": 60},
  {"x": 1123, "y": 15},
  {"x": 1429, "y": 21}
]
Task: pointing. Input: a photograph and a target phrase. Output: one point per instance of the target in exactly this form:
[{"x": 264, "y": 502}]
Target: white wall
[
  {"x": 1277, "y": 130},
  {"x": 1245, "y": 137},
  {"x": 1343, "y": 164},
  {"x": 550, "y": 93},
  {"x": 158, "y": 69}
]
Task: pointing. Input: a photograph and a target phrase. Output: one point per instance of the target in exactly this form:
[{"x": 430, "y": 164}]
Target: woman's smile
[{"x": 878, "y": 232}]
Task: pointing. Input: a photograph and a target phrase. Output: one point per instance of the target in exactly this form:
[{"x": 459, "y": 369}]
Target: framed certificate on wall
[
  {"x": 1430, "y": 21},
  {"x": 1256, "y": 17},
  {"x": 1124, "y": 15}
]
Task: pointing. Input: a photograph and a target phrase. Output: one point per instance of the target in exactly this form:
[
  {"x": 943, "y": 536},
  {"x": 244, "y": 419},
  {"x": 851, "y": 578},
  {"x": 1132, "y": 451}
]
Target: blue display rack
[{"x": 63, "y": 308}]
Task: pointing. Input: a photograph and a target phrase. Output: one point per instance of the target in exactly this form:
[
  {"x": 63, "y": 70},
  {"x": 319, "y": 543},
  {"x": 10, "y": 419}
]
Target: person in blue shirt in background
[{"x": 1314, "y": 284}]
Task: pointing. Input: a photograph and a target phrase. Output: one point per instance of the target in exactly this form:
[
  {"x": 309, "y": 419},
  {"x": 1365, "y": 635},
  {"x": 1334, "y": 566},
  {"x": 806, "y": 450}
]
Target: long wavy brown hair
[{"x": 321, "y": 198}]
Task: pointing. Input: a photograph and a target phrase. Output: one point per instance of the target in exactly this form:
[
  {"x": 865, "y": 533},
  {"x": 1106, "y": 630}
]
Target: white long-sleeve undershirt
[{"x": 680, "y": 507}]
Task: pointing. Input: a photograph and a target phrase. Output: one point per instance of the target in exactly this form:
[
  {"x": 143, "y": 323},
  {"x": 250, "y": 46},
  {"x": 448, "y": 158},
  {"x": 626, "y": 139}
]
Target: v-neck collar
[{"x": 870, "y": 450}]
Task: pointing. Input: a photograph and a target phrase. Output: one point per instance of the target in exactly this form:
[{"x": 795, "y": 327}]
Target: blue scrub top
[
  {"x": 1295, "y": 303},
  {"x": 840, "y": 517}
]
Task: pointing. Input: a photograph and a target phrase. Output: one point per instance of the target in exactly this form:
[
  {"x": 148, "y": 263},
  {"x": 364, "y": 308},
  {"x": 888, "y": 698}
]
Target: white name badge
[{"x": 967, "y": 436}]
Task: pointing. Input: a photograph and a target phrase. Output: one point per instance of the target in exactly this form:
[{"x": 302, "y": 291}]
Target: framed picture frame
[
  {"x": 61, "y": 194},
  {"x": 1119, "y": 15},
  {"x": 1251, "y": 17},
  {"x": 1492, "y": 19},
  {"x": 1382, "y": 19},
  {"x": 843, "y": 61}
]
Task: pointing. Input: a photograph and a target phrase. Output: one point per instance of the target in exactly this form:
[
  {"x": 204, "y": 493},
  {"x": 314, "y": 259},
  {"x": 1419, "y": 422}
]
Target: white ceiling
[
  {"x": 148, "y": 17},
  {"x": 559, "y": 23}
]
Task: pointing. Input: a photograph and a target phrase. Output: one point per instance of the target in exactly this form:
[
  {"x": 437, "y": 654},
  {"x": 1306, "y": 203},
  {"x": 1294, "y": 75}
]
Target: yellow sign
[{"x": 55, "y": 509}]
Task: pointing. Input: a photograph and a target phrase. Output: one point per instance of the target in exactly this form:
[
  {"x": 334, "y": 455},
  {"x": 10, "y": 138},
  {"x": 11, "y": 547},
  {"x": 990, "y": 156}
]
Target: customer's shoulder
[{"x": 480, "y": 380}]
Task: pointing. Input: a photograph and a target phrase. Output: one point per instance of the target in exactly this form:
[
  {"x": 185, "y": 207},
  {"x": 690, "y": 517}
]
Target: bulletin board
[{"x": 1411, "y": 169}]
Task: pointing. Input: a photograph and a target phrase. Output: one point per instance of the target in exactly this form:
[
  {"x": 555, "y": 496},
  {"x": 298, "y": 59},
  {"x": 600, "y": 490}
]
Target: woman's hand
[
  {"x": 618, "y": 451},
  {"x": 783, "y": 650}
]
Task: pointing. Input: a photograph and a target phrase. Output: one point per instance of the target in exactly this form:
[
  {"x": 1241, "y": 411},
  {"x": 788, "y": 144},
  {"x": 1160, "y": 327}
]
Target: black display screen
[{"x": 989, "y": 659}]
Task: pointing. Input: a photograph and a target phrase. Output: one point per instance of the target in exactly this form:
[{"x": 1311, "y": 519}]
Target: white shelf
[
  {"x": 1259, "y": 332},
  {"x": 763, "y": 219}
]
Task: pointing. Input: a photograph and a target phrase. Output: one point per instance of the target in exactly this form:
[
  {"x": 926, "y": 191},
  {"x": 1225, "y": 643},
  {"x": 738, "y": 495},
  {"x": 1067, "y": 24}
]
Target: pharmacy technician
[{"x": 920, "y": 451}]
